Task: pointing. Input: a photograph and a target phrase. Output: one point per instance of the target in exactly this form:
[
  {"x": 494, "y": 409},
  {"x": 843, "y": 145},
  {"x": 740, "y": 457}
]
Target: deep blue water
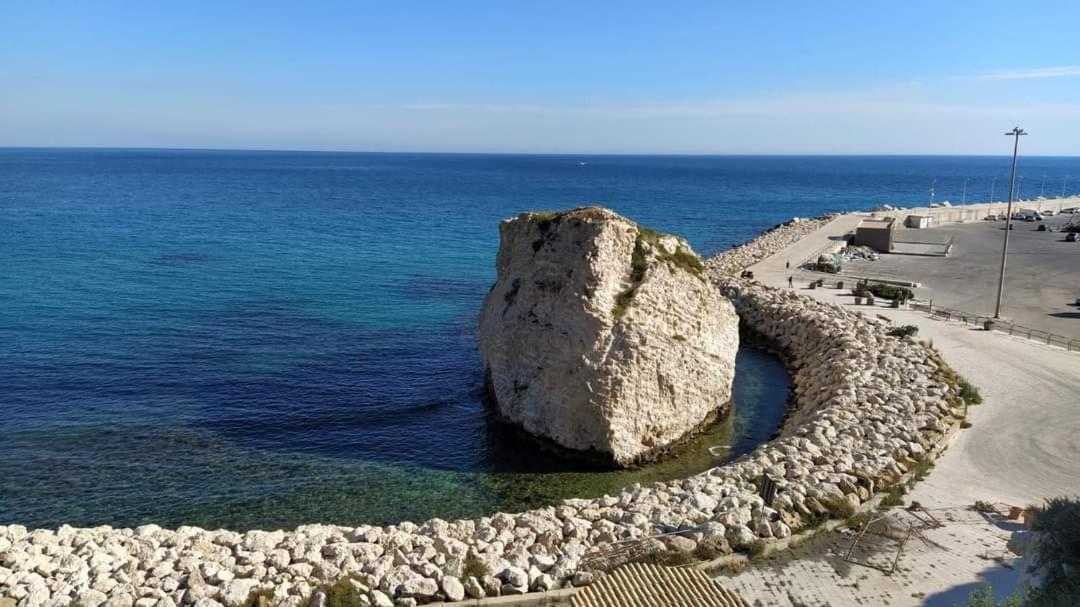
[{"x": 265, "y": 338}]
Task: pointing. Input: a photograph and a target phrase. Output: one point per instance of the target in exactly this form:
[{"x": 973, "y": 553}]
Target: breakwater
[{"x": 868, "y": 406}]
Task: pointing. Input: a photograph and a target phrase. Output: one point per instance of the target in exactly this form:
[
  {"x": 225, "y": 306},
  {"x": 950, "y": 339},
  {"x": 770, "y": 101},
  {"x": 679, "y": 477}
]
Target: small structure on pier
[{"x": 876, "y": 234}]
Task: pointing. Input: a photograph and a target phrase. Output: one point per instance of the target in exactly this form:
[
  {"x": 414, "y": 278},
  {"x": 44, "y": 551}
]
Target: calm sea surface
[{"x": 262, "y": 339}]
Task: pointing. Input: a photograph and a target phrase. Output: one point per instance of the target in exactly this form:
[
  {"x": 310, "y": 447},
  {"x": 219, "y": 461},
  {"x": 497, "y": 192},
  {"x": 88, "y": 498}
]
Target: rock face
[{"x": 604, "y": 336}]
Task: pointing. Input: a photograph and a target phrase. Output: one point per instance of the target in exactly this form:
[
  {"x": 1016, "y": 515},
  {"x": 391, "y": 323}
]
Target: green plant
[
  {"x": 815, "y": 520},
  {"x": 1060, "y": 592},
  {"x": 904, "y": 331},
  {"x": 756, "y": 548},
  {"x": 263, "y": 597},
  {"x": 984, "y": 597},
  {"x": 895, "y": 497},
  {"x": 1058, "y": 554},
  {"x": 733, "y": 567},
  {"x": 686, "y": 260},
  {"x": 921, "y": 468},
  {"x": 667, "y": 558},
  {"x": 883, "y": 291},
  {"x": 711, "y": 548},
  {"x": 474, "y": 568},
  {"x": 969, "y": 393},
  {"x": 342, "y": 593},
  {"x": 860, "y": 520},
  {"x": 639, "y": 264}
]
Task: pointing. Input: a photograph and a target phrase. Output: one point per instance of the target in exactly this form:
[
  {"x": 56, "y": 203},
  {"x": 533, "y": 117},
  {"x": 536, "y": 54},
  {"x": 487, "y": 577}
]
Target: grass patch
[
  {"x": 921, "y": 469},
  {"x": 545, "y": 219},
  {"x": 969, "y": 393},
  {"x": 815, "y": 520},
  {"x": 904, "y": 331},
  {"x": 474, "y": 568},
  {"x": 666, "y": 558},
  {"x": 709, "y": 549},
  {"x": 894, "y": 498},
  {"x": 859, "y": 521},
  {"x": 648, "y": 234},
  {"x": 734, "y": 567},
  {"x": 341, "y": 593},
  {"x": 686, "y": 260},
  {"x": 263, "y": 597},
  {"x": 864, "y": 289},
  {"x": 639, "y": 264},
  {"x": 756, "y": 549}
]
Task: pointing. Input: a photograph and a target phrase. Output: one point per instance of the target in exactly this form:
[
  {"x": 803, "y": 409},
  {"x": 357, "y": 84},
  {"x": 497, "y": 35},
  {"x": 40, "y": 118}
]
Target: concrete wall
[{"x": 976, "y": 212}]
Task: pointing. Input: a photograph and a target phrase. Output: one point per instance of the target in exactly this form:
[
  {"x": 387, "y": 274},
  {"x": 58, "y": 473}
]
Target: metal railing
[{"x": 1003, "y": 326}]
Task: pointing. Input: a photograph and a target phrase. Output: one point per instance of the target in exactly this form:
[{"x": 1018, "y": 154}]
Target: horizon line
[{"x": 504, "y": 153}]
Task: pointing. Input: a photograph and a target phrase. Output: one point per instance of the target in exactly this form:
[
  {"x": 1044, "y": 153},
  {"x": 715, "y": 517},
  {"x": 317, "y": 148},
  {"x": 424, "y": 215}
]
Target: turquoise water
[{"x": 255, "y": 339}]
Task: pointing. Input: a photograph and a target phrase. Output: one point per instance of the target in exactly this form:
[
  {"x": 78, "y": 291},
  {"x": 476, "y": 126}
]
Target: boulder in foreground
[{"x": 604, "y": 336}]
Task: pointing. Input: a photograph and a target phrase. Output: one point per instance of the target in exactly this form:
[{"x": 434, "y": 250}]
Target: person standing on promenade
[{"x": 790, "y": 283}]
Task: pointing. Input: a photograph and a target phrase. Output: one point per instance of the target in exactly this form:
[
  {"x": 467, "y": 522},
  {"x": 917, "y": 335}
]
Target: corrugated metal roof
[{"x": 642, "y": 585}]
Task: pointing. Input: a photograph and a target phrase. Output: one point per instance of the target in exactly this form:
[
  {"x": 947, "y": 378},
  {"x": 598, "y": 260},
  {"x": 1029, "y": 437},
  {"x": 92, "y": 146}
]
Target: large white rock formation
[{"x": 605, "y": 336}]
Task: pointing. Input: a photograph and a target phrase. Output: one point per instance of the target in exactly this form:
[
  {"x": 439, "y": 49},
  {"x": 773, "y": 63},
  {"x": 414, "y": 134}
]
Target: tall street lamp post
[{"x": 1015, "y": 133}]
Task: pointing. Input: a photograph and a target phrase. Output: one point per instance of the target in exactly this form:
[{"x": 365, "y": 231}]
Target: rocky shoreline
[{"x": 868, "y": 407}]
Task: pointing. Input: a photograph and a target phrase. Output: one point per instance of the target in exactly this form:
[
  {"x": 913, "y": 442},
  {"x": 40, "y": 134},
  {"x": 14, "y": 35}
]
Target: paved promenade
[{"x": 1023, "y": 447}]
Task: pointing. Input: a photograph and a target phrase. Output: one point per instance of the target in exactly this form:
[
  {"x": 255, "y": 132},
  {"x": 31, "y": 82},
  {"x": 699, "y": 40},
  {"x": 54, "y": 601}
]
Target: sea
[{"x": 250, "y": 339}]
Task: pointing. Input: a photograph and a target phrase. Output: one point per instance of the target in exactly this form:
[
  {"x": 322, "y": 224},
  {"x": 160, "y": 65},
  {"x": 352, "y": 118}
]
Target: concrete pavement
[{"x": 1024, "y": 446}]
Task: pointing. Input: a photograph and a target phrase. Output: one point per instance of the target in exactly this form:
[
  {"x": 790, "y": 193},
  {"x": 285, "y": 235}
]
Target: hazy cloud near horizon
[{"x": 482, "y": 77}]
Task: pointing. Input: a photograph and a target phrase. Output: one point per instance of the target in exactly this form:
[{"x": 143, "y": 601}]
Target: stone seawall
[
  {"x": 742, "y": 256},
  {"x": 868, "y": 406}
]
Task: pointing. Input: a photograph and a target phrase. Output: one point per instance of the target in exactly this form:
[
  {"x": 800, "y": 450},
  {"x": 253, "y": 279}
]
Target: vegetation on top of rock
[
  {"x": 686, "y": 260},
  {"x": 639, "y": 264}
]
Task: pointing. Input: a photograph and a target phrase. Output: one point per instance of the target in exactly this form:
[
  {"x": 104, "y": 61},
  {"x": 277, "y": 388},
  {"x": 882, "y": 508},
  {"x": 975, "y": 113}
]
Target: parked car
[
  {"x": 1048, "y": 212},
  {"x": 1070, "y": 211},
  {"x": 1072, "y": 237}
]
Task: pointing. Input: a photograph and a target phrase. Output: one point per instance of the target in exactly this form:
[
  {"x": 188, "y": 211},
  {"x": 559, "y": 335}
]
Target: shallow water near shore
[{"x": 269, "y": 339}]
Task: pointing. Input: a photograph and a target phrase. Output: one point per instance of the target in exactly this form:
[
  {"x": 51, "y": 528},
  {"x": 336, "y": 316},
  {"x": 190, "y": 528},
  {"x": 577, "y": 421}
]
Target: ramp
[{"x": 643, "y": 585}]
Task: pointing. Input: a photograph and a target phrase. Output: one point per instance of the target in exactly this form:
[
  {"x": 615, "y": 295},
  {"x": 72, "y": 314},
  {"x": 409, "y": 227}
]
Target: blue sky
[{"x": 620, "y": 77}]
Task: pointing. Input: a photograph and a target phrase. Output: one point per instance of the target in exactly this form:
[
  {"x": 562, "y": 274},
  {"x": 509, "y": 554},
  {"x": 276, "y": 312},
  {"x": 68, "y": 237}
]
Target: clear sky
[{"x": 766, "y": 76}]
